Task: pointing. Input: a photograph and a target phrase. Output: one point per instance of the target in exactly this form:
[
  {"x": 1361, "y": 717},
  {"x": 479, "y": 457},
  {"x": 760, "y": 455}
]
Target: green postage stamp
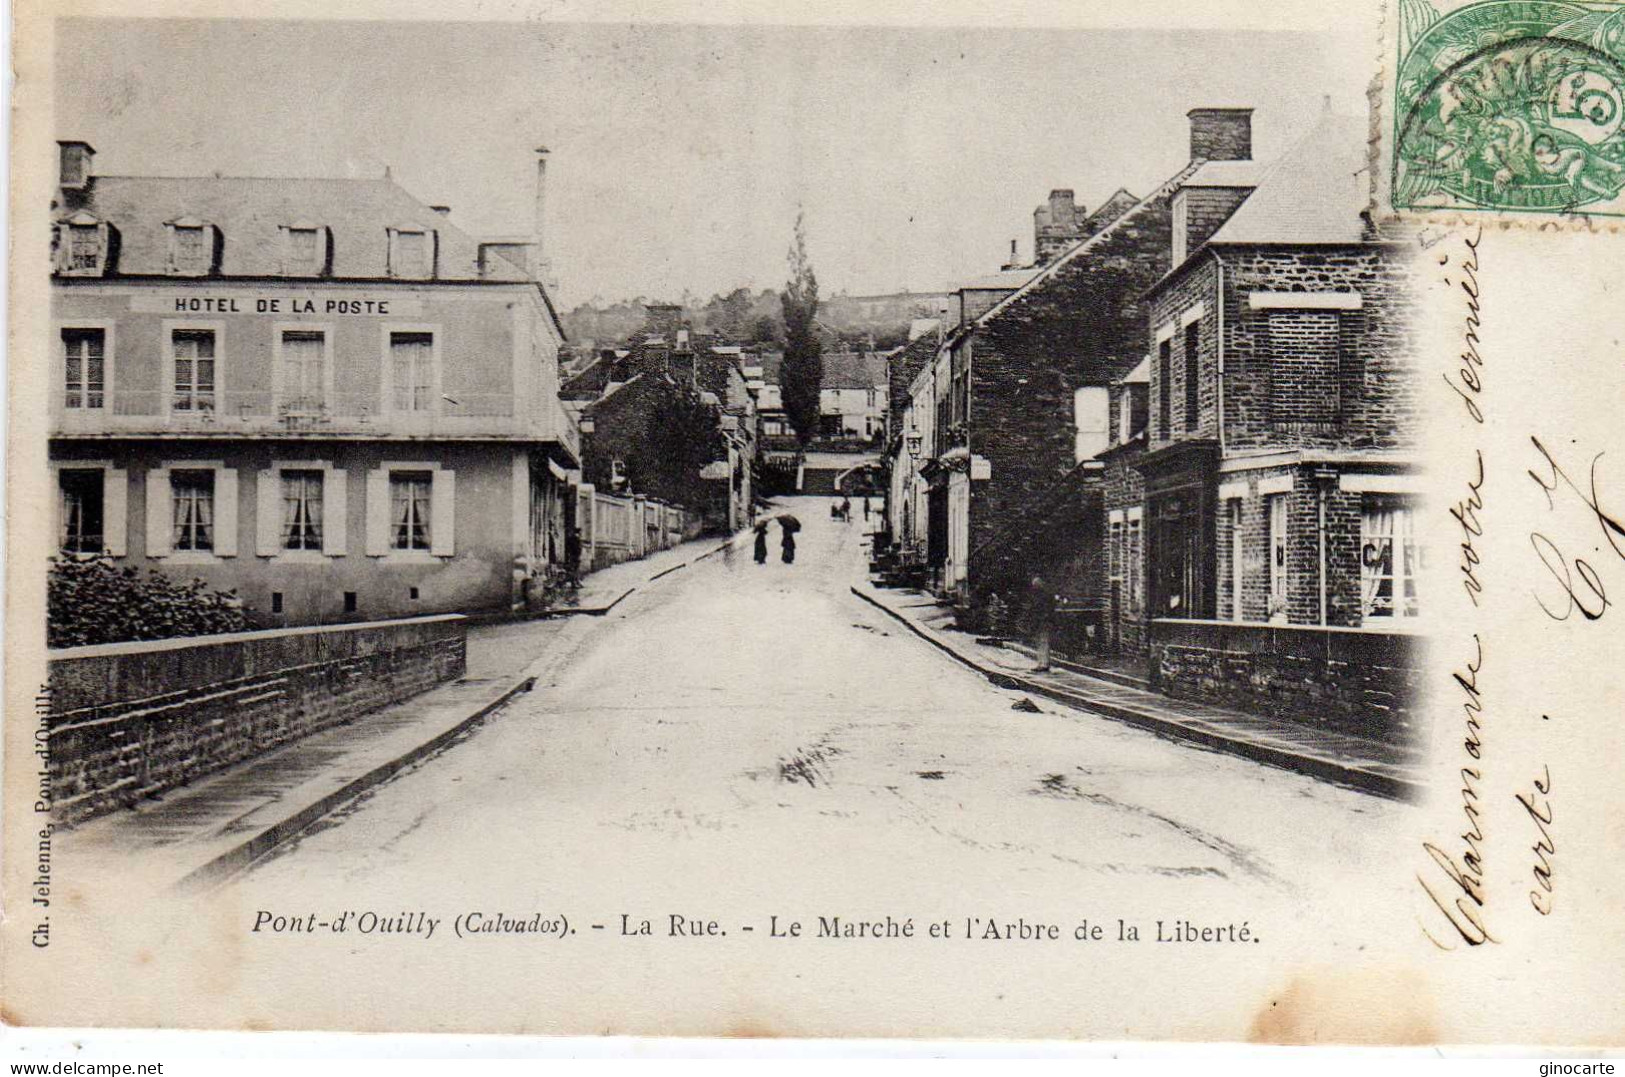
[{"x": 1509, "y": 105}]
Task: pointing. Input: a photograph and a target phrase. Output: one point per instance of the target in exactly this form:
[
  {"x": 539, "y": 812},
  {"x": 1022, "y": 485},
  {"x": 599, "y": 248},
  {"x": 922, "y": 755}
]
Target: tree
[{"x": 801, "y": 375}]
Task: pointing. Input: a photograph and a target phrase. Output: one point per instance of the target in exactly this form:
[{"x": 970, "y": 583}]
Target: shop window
[
  {"x": 1277, "y": 557},
  {"x": 1389, "y": 560}
]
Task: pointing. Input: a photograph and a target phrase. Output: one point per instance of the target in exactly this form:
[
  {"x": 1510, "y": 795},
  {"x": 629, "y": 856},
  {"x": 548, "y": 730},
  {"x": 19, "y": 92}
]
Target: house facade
[{"x": 318, "y": 393}]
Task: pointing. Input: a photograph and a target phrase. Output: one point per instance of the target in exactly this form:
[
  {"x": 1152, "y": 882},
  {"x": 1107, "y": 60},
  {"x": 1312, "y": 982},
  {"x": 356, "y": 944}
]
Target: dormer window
[
  {"x": 304, "y": 250},
  {"x": 411, "y": 252},
  {"x": 191, "y": 247},
  {"x": 1181, "y": 228},
  {"x": 82, "y": 242}
]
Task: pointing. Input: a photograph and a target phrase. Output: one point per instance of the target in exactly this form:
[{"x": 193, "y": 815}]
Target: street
[{"x": 737, "y": 741}]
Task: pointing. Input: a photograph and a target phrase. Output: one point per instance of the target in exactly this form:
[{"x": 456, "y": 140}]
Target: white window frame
[
  {"x": 431, "y": 252},
  {"x": 115, "y": 506},
  {"x": 160, "y": 513},
  {"x": 291, "y": 265},
  {"x": 278, "y": 390},
  {"x": 60, "y": 392},
  {"x": 65, "y": 245},
  {"x": 206, "y": 240},
  {"x": 385, "y": 332},
  {"x": 442, "y": 513},
  {"x": 170, "y": 328},
  {"x": 1276, "y": 515},
  {"x": 268, "y": 541},
  {"x": 1397, "y": 615}
]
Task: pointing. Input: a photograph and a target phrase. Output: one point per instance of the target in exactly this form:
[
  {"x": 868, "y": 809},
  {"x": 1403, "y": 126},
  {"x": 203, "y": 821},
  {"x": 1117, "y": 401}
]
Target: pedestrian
[
  {"x": 835, "y": 509},
  {"x": 866, "y": 507},
  {"x": 787, "y": 544},
  {"x": 572, "y": 556},
  {"x": 761, "y": 543},
  {"x": 846, "y": 509},
  {"x": 1041, "y": 610}
]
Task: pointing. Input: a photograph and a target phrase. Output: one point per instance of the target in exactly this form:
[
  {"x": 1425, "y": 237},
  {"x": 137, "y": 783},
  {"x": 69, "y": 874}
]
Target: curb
[
  {"x": 1364, "y": 781},
  {"x": 245, "y": 854}
]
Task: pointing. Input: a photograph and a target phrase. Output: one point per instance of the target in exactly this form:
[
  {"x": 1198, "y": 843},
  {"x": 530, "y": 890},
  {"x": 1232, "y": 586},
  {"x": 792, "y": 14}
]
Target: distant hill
[{"x": 756, "y": 316}]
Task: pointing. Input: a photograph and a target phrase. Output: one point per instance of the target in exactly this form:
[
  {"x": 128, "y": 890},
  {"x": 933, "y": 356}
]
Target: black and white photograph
[{"x": 1028, "y": 524}]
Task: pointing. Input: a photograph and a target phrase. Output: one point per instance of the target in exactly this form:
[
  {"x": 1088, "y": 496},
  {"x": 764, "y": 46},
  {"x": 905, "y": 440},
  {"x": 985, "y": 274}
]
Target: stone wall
[
  {"x": 131, "y": 720},
  {"x": 1347, "y": 680}
]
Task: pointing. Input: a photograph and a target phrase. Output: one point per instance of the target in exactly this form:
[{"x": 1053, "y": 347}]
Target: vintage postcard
[{"x": 1067, "y": 522}]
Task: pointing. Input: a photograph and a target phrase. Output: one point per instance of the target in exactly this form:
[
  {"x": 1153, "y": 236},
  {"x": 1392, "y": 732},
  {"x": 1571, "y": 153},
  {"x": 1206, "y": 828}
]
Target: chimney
[
  {"x": 74, "y": 160},
  {"x": 1057, "y": 225},
  {"x": 1012, "y": 263},
  {"x": 1221, "y": 134},
  {"x": 538, "y": 250},
  {"x": 444, "y": 211}
]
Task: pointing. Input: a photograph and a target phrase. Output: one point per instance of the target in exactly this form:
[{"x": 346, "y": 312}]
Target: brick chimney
[
  {"x": 73, "y": 164},
  {"x": 1057, "y": 225},
  {"x": 1221, "y": 134},
  {"x": 542, "y": 269}
]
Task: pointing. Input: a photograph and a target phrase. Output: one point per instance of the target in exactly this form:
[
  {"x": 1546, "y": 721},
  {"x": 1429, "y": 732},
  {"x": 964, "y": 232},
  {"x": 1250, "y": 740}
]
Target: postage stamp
[{"x": 1513, "y": 106}]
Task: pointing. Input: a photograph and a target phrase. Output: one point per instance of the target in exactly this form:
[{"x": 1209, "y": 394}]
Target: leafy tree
[
  {"x": 765, "y": 330},
  {"x": 92, "y": 600},
  {"x": 802, "y": 373}
]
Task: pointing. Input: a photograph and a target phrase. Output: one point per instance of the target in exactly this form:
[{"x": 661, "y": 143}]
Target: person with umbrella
[
  {"x": 761, "y": 542},
  {"x": 789, "y": 525}
]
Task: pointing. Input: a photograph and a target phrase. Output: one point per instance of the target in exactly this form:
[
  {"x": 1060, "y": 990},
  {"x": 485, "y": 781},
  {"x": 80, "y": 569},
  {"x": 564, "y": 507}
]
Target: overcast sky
[{"x": 681, "y": 153}]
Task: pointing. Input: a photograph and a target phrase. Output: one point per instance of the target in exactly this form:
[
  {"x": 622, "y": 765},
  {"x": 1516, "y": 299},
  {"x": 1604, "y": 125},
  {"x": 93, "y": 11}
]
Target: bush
[{"x": 92, "y": 600}]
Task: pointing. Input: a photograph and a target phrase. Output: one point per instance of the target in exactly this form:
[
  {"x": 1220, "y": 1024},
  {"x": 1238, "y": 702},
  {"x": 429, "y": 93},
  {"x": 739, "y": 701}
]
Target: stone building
[
  {"x": 1024, "y": 387},
  {"x": 321, "y": 394}
]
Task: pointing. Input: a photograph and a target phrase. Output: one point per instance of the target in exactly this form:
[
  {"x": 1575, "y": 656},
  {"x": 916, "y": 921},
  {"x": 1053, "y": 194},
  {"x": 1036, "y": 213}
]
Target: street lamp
[{"x": 913, "y": 439}]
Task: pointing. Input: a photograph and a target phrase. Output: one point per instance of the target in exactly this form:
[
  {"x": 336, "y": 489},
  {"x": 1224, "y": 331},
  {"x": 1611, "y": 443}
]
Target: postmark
[{"x": 1509, "y": 106}]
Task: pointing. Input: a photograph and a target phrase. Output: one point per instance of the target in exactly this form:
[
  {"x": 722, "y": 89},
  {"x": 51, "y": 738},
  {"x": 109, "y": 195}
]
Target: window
[
  {"x": 302, "y": 510},
  {"x": 411, "y": 359},
  {"x": 304, "y": 372},
  {"x": 1114, "y": 549},
  {"x": 1277, "y": 556},
  {"x": 1192, "y": 373},
  {"x": 1388, "y": 559},
  {"x": 83, "y": 242},
  {"x": 1236, "y": 552},
  {"x": 1091, "y": 409},
  {"x": 192, "y": 509},
  {"x": 190, "y": 247},
  {"x": 304, "y": 250},
  {"x": 1131, "y": 571},
  {"x": 409, "y": 500},
  {"x": 82, "y": 509},
  {"x": 411, "y": 252},
  {"x": 1125, "y": 414},
  {"x": 192, "y": 351},
  {"x": 84, "y": 352},
  {"x": 1165, "y": 385}
]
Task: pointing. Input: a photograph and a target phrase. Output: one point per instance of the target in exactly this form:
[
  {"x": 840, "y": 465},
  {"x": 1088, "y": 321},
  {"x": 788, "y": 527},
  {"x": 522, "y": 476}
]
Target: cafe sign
[{"x": 316, "y": 304}]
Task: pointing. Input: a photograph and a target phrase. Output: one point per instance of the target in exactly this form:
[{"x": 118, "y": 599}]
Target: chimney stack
[
  {"x": 543, "y": 269},
  {"x": 663, "y": 320},
  {"x": 1221, "y": 134},
  {"x": 1012, "y": 263},
  {"x": 1057, "y": 225},
  {"x": 74, "y": 160}
]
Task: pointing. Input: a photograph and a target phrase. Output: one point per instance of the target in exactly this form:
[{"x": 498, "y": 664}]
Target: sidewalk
[
  {"x": 206, "y": 832},
  {"x": 1370, "y": 766}
]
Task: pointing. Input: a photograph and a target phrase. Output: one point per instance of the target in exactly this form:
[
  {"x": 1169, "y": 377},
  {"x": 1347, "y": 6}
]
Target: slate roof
[
  {"x": 1226, "y": 174},
  {"x": 1314, "y": 194},
  {"x": 842, "y": 370},
  {"x": 250, "y": 213},
  {"x": 1004, "y": 279},
  {"x": 1088, "y": 245}
]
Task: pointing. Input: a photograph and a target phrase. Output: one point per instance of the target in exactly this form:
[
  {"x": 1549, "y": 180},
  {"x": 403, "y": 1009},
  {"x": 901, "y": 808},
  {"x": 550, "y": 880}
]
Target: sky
[{"x": 681, "y": 153}]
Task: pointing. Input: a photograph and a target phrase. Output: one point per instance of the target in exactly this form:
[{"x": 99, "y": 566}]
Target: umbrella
[{"x": 789, "y": 522}]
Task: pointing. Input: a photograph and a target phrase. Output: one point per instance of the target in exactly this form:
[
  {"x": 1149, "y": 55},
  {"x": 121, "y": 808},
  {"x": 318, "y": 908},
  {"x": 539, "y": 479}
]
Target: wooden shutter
[
  {"x": 115, "y": 511},
  {"x": 335, "y": 511},
  {"x": 159, "y": 519},
  {"x": 225, "y": 512},
  {"x": 442, "y": 514},
  {"x": 268, "y": 513},
  {"x": 377, "y": 513}
]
